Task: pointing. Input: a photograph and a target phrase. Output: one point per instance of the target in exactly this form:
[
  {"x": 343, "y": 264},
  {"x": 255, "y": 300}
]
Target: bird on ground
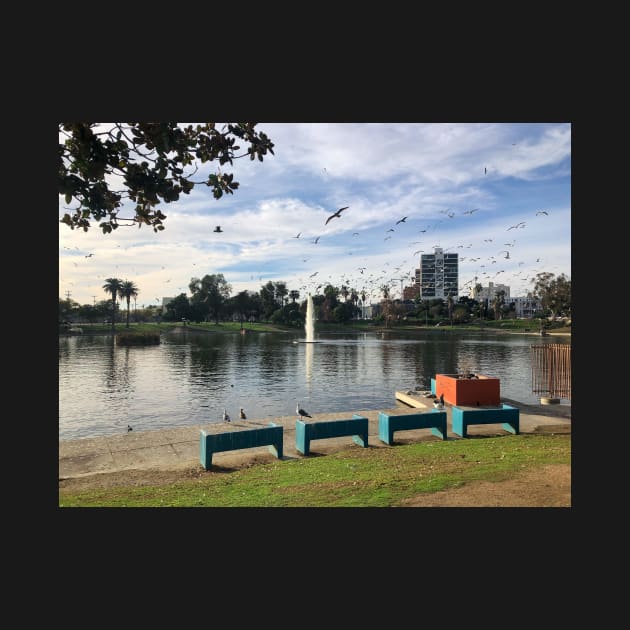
[
  {"x": 438, "y": 403},
  {"x": 218, "y": 229},
  {"x": 226, "y": 417},
  {"x": 242, "y": 415},
  {"x": 129, "y": 429},
  {"x": 300, "y": 412},
  {"x": 336, "y": 214}
]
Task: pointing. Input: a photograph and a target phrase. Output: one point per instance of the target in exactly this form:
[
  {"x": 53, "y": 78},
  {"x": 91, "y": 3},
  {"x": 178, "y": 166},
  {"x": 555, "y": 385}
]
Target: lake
[{"x": 190, "y": 377}]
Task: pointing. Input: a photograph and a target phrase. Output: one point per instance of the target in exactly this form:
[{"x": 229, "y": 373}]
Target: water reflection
[{"x": 189, "y": 378}]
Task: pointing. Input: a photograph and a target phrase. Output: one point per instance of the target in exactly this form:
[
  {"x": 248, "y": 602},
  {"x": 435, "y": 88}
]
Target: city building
[
  {"x": 488, "y": 293},
  {"x": 525, "y": 307},
  {"x": 439, "y": 275}
]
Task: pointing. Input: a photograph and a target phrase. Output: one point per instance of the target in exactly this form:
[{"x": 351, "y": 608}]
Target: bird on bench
[
  {"x": 438, "y": 403},
  {"x": 300, "y": 412}
]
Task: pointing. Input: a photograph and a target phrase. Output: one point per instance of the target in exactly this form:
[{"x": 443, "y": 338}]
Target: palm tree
[
  {"x": 113, "y": 286},
  {"x": 128, "y": 290}
]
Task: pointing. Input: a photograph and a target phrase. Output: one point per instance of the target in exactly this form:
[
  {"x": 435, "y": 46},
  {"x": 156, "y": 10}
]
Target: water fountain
[{"x": 309, "y": 323}]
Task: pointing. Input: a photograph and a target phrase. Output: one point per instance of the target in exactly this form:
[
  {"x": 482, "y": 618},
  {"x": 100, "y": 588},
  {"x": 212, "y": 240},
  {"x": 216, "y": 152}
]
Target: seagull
[
  {"x": 300, "y": 412},
  {"x": 242, "y": 415},
  {"x": 336, "y": 214},
  {"x": 401, "y": 220},
  {"x": 226, "y": 417},
  {"x": 218, "y": 229},
  {"x": 88, "y": 255},
  {"x": 542, "y": 212},
  {"x": 297, "y": 235},
  {"x": 317, "y": 239}
]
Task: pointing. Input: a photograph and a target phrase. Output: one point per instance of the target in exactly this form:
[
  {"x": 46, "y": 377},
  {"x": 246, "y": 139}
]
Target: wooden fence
[{"x": 551, "y": 370}]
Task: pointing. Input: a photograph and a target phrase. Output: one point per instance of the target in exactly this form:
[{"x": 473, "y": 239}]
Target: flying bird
[
  {"x": 297, "y": 235},
  {"x": 336, "y": 214},
  {"x": 317, "y": 239},
  {"x": 88, "y": 255},
  {"x": 218, "y": 229},
  {"x": 300, "y": 412},
  {"x": 242, "y": 415},
  {"x": 542, "y": 212},
  {"x": 470, "y": 211},
  {"x": 226, "y": 417},
  {"x": 485, "y": 170},
  {"x": 401, "y": 220}
]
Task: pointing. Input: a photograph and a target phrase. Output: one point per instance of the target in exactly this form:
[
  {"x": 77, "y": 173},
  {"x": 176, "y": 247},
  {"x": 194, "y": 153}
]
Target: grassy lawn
[{"x": 354, "y": 477}]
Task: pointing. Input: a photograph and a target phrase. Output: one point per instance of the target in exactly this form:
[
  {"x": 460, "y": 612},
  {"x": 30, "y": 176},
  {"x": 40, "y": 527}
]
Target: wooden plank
[{"x": 413, "y": 400}]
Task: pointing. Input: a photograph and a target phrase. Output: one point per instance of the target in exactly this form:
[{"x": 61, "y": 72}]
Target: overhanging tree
[{"x": 101, "y": 164}]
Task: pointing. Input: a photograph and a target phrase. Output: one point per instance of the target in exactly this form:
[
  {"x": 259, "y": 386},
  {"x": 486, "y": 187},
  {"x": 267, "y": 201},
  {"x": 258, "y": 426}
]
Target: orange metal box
[{"x": 475, "y": 392}]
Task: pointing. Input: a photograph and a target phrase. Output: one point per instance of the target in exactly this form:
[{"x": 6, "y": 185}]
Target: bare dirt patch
[{"x": 548, "y": 486}]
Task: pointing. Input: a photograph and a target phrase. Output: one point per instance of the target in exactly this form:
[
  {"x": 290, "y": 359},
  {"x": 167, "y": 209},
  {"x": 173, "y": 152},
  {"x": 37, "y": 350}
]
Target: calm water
[{"x": 190, "y": 377}]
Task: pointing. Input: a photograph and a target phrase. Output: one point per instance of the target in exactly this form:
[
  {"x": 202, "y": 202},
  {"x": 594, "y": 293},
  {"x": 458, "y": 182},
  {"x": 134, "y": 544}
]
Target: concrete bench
[
  {"x": 211, "y": 443},
  {"x": 357, "y": 427},
  {"x": 433, "y": 419},
  {"x": 463, "y": 417}
]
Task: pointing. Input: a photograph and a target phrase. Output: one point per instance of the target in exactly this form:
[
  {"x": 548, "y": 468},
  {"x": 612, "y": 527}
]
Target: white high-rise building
[{"x": 439, "y": 275}]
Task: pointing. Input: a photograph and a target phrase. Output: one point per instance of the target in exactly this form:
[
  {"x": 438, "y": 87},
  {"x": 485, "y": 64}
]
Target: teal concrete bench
[
  {"x": 433, "y": 419},
  {"x": 357, "y": 427},
  {"x": 463, "y": 417},
  {"x": 211, "y": 443}
]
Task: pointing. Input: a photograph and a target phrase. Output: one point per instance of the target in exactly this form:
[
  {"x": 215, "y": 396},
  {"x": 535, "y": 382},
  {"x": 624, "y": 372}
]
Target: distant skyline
[{"x": 498, "y": 194}]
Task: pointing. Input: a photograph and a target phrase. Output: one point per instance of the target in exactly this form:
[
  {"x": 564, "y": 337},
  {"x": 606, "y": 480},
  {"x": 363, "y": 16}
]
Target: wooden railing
[{"x": 551, "y": 370}]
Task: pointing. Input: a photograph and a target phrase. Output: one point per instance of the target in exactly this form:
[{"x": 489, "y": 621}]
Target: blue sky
[{"x": 478, "y": 189}]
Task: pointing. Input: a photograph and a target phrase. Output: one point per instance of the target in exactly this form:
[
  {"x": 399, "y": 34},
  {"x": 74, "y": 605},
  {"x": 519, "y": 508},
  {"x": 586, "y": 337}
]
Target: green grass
[{"x": 354, "y": 477}]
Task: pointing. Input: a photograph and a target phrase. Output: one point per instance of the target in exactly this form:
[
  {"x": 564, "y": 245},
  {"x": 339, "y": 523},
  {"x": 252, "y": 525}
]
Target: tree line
[{"x": 211, "y": 300}]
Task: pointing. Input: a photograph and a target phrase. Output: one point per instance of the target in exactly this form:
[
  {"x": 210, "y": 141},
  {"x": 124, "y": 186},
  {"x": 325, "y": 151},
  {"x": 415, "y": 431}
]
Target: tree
[
  {"x": 450, "y": 302},
  {"x": 113, "y": 286},
  {"x": 128, "y": 290},
  {"x": 294, "y": 295},
  {"x": 497, "y": 304},
  {"x": 156, "y": 162},
  {"x": 268, "y": 299},
  {"x": 554, "y": 294},
  {"x": 210, "y": 292},
  {"x": 178, "y": 308}
]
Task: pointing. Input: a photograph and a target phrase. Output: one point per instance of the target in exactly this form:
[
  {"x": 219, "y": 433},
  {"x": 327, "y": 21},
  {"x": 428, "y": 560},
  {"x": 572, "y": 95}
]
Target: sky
[{"x": 481, "y": 190}]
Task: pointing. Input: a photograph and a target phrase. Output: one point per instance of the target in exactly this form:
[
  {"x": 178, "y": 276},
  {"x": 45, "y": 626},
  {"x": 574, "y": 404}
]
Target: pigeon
[
  {"x": 336, "y": 214},
  {"x": 438, "y": 403},
  {"x": 129, "y": 429},
  {"x": 300, "y": 412}
]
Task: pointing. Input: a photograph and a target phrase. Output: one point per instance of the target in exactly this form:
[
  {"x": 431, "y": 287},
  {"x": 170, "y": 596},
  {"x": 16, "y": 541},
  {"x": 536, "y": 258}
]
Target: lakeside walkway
[{"x": 171, "y": 449}]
